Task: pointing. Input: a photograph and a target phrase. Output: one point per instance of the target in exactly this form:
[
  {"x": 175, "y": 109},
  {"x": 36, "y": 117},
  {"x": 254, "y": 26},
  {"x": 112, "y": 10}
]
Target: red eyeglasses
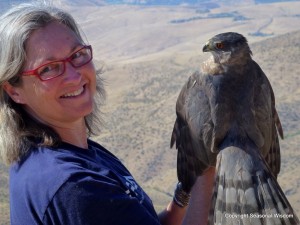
[{"x": 54, "y": 69}]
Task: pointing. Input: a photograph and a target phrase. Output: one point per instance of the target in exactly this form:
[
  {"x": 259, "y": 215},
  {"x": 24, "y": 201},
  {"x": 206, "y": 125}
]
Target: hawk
[{"x": 226, "y": 118}]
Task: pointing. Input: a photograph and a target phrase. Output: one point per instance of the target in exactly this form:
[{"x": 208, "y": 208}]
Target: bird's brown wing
[
  {"x": 192, "y": 131},
  {"x": 268, "y": 120}
]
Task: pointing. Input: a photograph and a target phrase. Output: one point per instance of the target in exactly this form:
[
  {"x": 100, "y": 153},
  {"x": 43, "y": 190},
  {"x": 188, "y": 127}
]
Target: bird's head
[{"x": 228, "y": 48}]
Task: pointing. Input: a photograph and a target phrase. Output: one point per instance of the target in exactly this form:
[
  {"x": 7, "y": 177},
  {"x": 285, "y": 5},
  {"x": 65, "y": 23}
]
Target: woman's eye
[
  {"x": 76, "y": 55},
  {"x": 48, "y": 69},
  {"x": 45, "y": 69},
  {"x": 220, "y": 45}
]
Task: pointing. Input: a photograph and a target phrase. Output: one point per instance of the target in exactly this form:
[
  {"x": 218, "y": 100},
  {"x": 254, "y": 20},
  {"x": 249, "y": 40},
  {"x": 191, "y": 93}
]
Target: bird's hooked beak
[{"x": 207, "y": 47}]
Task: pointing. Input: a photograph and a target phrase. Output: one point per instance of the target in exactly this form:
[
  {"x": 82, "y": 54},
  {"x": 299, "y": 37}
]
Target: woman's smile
[{"x": 74, "y": 93}]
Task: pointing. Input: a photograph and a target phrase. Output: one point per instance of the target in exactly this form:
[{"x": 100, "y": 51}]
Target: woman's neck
[{"x": 75, "y": 135}]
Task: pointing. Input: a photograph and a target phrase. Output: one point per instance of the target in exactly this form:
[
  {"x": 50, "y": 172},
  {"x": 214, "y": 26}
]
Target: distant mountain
[
  {"x": 189, "y": 2},
  {"x": 5, "y": 4},
  {"x": 156, "y": 2}
]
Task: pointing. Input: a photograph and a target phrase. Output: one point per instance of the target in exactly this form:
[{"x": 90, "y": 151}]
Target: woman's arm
[
  {"x": 199, "y": 206},
  {"x": 197, "y": 211},
  {"x": 172, "y": 215}
]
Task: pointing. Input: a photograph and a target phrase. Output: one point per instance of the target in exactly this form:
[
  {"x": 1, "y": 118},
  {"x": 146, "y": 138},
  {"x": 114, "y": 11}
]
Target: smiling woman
[
  {"x": 50, "y": 96},
  {"x": 17, "y": 116},
  {"x": 63, "y": 94}
]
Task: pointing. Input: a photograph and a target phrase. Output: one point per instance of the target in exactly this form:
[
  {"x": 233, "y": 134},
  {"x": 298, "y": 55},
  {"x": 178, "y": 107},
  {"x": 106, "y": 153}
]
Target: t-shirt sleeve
[{"x": 84, "y": 200}]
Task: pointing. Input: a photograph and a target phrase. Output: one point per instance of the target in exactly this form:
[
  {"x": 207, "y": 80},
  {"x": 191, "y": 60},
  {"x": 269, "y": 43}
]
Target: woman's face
[{"x": 66, "y": 99}]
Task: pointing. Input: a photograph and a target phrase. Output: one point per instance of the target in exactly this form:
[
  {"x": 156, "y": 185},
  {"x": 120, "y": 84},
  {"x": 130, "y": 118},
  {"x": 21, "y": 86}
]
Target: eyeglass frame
[{"x": 34, "y": 72}]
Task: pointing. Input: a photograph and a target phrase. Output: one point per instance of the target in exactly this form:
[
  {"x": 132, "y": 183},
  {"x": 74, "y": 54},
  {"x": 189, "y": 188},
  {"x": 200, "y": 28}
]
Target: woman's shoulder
[
  {"x": 44, "y": 171},
  {"x": 43, "y": 162},
  {"x": 45, "y": 168}
]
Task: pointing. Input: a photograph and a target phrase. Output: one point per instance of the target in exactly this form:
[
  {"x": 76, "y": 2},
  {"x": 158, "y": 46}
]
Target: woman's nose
[{"x": 72, "y": 73}]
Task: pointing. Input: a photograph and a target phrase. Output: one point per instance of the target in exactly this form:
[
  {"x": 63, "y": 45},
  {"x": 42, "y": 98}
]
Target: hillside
[
  {"x": 141, "y": 116},
  {"x": 148, "y": 59}
]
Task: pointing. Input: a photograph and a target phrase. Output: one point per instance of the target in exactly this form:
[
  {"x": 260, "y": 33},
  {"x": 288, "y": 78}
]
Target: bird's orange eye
[{"x": 219, "y": 45}]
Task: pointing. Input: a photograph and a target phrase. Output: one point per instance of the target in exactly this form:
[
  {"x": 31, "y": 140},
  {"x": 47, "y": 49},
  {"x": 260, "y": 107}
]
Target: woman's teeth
[{"x": 73, "y": 94}]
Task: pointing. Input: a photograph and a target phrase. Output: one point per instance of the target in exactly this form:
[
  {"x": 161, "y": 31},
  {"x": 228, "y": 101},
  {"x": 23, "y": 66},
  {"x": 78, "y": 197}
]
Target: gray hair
[{"x": 18, "y": 130}]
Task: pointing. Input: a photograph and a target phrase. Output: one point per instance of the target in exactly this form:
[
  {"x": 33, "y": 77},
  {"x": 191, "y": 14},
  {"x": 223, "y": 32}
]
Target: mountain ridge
[{"x": 209, "y": 4}]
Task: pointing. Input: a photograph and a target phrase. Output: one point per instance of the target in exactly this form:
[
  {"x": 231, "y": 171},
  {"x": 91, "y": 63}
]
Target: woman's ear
[{"x": 14, "y": 93}]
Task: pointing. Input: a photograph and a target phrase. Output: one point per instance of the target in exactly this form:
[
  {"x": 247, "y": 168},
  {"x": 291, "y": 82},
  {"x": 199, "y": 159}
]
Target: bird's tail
[{"x": 246, "y": 192}]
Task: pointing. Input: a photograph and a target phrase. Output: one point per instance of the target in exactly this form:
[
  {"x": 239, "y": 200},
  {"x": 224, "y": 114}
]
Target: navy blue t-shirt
[{"x": 69, "y": 185}]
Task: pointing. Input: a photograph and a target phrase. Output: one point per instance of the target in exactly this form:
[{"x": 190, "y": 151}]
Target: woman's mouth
[{"x": 74, "y": 93}]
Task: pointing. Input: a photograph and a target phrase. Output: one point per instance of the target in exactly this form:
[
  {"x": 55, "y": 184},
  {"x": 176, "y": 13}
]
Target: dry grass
[{"x": 141, "y": 125}]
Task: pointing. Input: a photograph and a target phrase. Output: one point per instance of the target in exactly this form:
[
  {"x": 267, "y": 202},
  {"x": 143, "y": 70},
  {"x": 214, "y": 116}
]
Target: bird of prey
[{"x": 226, "y": 118}]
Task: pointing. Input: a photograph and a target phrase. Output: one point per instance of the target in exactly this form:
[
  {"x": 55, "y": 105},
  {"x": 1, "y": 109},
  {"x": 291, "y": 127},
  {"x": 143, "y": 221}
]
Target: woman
[{"x": 50, "y": 95}]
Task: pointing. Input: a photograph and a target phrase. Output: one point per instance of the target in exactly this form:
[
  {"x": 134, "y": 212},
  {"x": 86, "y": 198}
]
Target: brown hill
[{"x": 141, "y": 116}]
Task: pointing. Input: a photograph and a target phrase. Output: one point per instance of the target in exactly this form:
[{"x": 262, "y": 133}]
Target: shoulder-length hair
[{"x": 18, "y": 130}]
